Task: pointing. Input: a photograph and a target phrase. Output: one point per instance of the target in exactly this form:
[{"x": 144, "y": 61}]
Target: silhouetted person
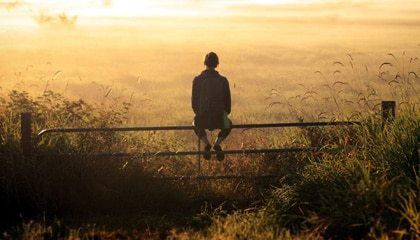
[{"x": 211, "y": 104}]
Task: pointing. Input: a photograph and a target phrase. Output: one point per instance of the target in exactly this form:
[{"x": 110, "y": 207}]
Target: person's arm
[
  {"x": 195, "y": 96},
  {"x": 227, "y": 97}
]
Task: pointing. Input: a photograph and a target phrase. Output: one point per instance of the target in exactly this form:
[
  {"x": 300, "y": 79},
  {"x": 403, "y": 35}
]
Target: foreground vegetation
[{"x": 364, "y": 185}]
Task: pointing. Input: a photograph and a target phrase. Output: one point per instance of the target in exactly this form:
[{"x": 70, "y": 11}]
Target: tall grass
[
  {"x": 63, "y": 178},
  {"x": 357, "y": 190},
  {"x": 56, "y": 183},
  {"x": 367, "y": 187},
  {"x": 367, "y": 190}
]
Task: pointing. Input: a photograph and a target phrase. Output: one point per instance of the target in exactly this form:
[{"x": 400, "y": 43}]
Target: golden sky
[
  {"x": 24, "y": 12},
  {"x": 137, "y": 8}
]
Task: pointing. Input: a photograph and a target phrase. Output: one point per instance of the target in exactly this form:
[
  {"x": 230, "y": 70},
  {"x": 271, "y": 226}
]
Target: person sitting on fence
[{"x": 211, "y": 103}]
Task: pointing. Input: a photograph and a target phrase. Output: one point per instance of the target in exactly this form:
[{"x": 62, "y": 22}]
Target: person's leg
[
  {"x": 201, "y": 133},
  {"x": 220, "y": 137},
  {"x": 199, "y": 130},
  {"x": 223, "y": 134}
]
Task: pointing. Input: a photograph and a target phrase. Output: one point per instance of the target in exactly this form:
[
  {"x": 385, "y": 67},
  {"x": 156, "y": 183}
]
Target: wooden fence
[{"x": 29, "y": 140}]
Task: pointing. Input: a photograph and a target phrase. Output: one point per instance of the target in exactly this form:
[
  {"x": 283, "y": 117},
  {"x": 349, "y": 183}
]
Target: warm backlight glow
[
  {"x": 14, "y": 12},
  {"x": 17, "y": 11}
]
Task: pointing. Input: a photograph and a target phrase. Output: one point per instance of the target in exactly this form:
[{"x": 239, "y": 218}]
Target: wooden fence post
[
  {"x": 418, "y": 154},
  {"x": 26, "y": 133},
  {"x": 388, "y": 112},
  {"x": 199, "y": 156}
]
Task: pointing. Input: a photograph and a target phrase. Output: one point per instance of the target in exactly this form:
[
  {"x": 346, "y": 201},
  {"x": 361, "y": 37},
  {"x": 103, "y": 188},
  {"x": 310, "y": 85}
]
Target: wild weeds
[
  {"x": 352, "y": 91},
  {"x": 63, "y": 177},
  {"x": 366, "y": 186},
  {"x": 356, "y": 191},
  {"x": 56, "y": 182}
]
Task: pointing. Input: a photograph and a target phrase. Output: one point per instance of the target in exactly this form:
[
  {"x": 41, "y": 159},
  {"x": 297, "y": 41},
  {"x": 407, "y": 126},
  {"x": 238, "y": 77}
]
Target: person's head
[{"x": 211, "y": 60}]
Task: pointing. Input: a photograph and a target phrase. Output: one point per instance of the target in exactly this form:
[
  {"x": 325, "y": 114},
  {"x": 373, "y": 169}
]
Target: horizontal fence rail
[
  {"x": 214, "y": 177},
  {"x": 198, "y": 153},
  {"x": 178, "y": 128},
  {"x": 189, "y": 153}
]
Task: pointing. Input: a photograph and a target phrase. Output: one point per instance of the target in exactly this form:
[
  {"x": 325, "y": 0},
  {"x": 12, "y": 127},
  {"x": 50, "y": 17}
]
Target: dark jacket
[{"x": 205, "y": 118}]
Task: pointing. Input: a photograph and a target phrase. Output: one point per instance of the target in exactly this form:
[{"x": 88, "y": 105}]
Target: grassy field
[
  {"x": 140, "y": 75},
  {"x": 152, "y": 58},
  {"x": 367, "y": 187}
]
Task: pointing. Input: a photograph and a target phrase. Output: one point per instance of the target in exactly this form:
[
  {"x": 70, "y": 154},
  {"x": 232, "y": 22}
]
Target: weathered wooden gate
[{"x": 28, "y": 140}]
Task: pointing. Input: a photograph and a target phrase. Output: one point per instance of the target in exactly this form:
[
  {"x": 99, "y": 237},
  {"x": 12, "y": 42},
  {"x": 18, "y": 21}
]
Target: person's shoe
[
  {"x": 219, "y": 152},
  {"x": 207, "y": 153}
]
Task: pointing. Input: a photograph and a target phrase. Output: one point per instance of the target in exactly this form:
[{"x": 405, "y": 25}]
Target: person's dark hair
[{"x": 211, "y": 60}]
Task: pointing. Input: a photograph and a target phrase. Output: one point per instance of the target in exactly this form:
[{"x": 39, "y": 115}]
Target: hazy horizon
[
  {"x": 33, "y": 13},
  {"x": 83, "y": 49}
]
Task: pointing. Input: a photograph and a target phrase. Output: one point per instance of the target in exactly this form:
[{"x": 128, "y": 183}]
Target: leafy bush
[{"x": 63, "y": 177}]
